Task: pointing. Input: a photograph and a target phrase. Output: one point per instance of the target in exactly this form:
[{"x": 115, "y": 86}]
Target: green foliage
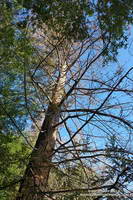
[
  {"x": 14, "y": 157},
  {"x": 63, "y": 17},
  {"x": 72, "y": 19},
  {"x": 76, "y": 20},
  {"x": 71, "y": 178},
  {"x": 114, "y": 17},
  {"x": 16, "y": 54},
  {"x": 121, "y": 164}
]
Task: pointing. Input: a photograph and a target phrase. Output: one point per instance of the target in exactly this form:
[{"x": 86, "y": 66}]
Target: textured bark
[{"x": 37, "y": 172}]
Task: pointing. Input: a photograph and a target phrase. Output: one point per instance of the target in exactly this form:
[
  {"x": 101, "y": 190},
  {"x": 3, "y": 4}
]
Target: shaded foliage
[{"x": 14, "y": 157}]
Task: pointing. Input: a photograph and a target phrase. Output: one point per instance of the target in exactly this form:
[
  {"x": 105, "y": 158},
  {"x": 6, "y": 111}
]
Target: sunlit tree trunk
[{"x": 37, "y": 172}]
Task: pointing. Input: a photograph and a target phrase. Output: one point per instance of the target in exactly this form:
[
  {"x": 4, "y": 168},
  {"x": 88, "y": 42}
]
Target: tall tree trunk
[{"x": 35, "y": 179}]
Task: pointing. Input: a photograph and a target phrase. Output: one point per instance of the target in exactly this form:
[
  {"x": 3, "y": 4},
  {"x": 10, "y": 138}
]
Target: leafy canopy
[{"x": 76, "y": 20}]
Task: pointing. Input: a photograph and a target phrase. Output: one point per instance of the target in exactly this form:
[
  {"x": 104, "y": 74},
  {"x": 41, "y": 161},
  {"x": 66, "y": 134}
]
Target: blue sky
[{"x": 125, "y": 56}]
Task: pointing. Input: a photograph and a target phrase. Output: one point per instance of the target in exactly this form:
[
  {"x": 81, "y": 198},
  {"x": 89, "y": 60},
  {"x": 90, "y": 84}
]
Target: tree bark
[{"x": 35, "y": 179}]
